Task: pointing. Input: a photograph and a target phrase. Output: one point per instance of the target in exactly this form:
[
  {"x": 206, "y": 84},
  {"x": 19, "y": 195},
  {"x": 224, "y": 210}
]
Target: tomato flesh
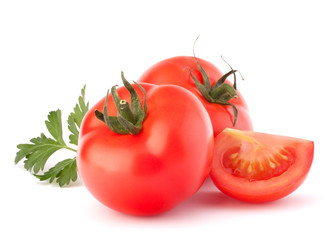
[
  {"x": 257, "y": 161},
  {"x": 259, "y": 167}
]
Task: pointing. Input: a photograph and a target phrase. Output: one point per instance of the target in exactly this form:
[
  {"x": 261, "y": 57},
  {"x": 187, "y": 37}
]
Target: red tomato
[
  {"x": 158, "y": 168},
  {"x": 176, "y": 71},
  {"x": 259, "y": 167}
]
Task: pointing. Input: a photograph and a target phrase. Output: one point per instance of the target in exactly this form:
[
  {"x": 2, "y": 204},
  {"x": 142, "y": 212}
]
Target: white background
[{"x": 50, "y": 49}]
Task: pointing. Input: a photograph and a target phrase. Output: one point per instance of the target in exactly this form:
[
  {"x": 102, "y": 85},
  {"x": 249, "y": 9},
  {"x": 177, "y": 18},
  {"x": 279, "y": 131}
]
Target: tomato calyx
[
  {"x": 220, "y": 92},
  {"x": 129, "y": 117}
]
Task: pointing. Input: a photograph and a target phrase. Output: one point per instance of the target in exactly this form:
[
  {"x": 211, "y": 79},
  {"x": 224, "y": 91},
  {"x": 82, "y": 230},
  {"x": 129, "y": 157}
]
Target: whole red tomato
[
  {"x": 225, "y": 105},
  {"x": 157, "y": 165}
]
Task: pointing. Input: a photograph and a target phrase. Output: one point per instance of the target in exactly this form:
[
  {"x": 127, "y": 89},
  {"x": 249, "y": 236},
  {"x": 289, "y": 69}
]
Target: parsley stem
[{"x": 71, "y": 149}]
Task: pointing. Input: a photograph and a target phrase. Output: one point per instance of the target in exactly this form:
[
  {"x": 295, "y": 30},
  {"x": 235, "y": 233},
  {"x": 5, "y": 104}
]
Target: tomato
[
  {"x": 154, "y": 170},
  {"x": 259, "y": 167},
  {"x": 180, "y": 71}
]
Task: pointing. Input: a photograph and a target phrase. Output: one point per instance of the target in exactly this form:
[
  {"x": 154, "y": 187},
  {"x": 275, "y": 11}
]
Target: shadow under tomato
[
  {"x": 77, "y": 183},
  {"x": 210, "y": 201},
  {"x": 215, "y": 200},
  {"x": 209, "y": 198},
  {"x": 207, "y": 201}
]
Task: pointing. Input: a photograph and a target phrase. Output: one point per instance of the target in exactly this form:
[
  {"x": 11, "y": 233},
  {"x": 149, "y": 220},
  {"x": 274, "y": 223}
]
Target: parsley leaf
[
  {"x": 54, "y": 126},
  {"x": 64, "y": 172},
  {"x": 75, "y": 118},
  {"x": 40, "y": 149},
  {"x": 37, "y": 153}
]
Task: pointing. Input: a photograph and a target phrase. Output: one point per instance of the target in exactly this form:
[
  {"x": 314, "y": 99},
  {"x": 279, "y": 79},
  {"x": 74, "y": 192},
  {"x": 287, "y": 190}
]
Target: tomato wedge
[{"x": 259, "y": 167}]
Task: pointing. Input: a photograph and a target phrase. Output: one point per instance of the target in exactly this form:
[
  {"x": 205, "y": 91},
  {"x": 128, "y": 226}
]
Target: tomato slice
[{"x": 259, "y": 167}]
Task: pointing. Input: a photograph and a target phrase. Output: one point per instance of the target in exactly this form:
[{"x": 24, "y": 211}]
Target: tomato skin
[
  {"x": 176, "y": 71},
  {"x": 155, "y": 170},
  {"x": 261, "y": 190}
]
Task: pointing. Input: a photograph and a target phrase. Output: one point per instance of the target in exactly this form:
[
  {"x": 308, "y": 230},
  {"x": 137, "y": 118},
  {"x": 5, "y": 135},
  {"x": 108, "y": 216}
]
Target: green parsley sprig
[{"x": 40, "y": 149}]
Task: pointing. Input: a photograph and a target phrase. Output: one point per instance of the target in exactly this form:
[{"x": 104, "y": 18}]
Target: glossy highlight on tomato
[
  {"x": 155, "y": 170},
  {"x": 259, "y": 167},
  {"x": 176, "y": 71}
]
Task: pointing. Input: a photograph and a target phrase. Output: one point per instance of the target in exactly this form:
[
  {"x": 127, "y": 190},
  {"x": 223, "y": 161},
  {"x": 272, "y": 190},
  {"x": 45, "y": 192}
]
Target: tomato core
[{"x": 257, "y": 161}]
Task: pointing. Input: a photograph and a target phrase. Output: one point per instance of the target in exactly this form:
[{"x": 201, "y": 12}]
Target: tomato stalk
[
  {"x": 220, "y": 92},
  {"x": 129, "y": 118},
  {"x": 225, "y": 92}
]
